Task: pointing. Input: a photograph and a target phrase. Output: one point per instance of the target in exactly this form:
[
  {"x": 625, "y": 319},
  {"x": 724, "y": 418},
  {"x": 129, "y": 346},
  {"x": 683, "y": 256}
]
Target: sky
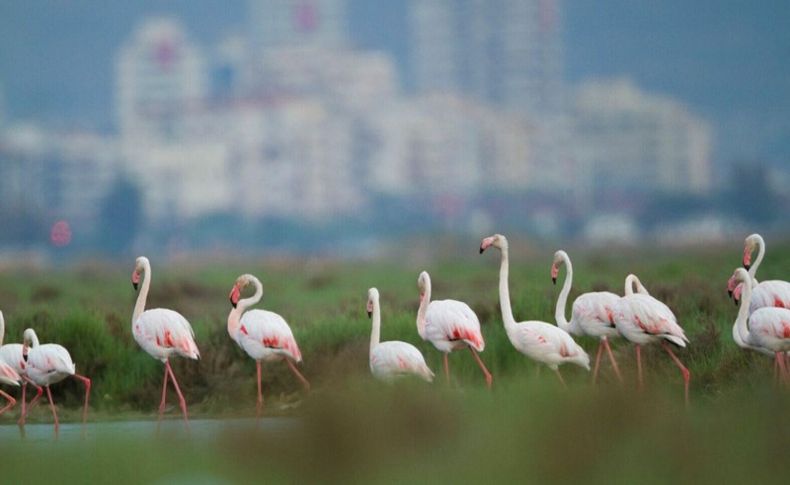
[{"x": 729, "y": 60}]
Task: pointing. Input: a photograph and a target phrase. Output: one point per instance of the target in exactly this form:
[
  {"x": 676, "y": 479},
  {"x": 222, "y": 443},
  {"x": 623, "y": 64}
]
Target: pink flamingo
[
  {"x": 263, "y": 335},
  {"x": 642, "y": 319},
  {"x": 161, "y": 332},
  {"x": 49, "y": 364},
  {"x": 449, "y": 325},
  {"x": 773, "y": 293},
  {"x": 8, "y": 375},
  {"x": 540, "y": 341},
  {"x": 13, "y": 356},
  {"x": 591, "y": 313},
  {"x": 393, "y": 359},
  {"x": 768, "y": 328}
]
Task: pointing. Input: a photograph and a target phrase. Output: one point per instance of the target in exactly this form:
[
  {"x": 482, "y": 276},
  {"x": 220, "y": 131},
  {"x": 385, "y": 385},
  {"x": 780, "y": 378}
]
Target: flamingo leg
[
  {"x": 639, "y": 366},
  {"x": 298, "y": 375},
  {"x": 611, "y": 358},
  {"x": 181, "y": 401},
  {"x": 259, "y": 403},
  {"x": 11, "y": 402},
  {"x": 25, "y": 412},
  {"x": 164, "y": 401},
  {"x": 686, "y": 373},
  {"x": 562, "y": 381},
  {"x": 597, "y": 361},
  {"x": 54, "y": 412},
  {"x": 87, "y": 383},
  {"x": 446, "y": 369},
  {"x": 488, "y": 376}
]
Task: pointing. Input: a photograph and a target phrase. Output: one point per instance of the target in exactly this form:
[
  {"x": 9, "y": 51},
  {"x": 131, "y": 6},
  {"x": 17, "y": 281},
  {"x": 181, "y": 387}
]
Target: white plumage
[
  {"x": 394, "y": 359},
  {"x": 162, "y": 333},
  {"x": 643, "y": 319},
  {"x": 266, "y": 336}
]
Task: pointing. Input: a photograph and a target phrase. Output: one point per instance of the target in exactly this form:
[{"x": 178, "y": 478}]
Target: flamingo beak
[
  {"x": 555, "y": 271},
  {"x": 729, "y": 293},
  {"x": 235, "y": 293},
  {"x": 370, "y": 313},
  {"x": 135, "y": 279}
]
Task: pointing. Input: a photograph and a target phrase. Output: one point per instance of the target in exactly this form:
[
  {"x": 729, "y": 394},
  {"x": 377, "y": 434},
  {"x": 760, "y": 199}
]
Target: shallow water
[{"x": 199, "y": 429}]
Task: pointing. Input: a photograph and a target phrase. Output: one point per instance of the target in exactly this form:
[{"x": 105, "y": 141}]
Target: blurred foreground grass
[{"x": 354, "y": 430}]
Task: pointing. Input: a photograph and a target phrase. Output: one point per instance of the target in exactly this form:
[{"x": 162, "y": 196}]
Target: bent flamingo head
[
  {"x": 373, "y": 297},
  {"x": 731, "y": 284},
  {"x": 497, "y": 240},
  {"x": 139, "y": 268},
  {"x": 234, "y": 296},
  {"x": 559, "y": 260}
]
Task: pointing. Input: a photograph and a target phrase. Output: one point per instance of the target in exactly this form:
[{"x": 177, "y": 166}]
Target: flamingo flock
[{"x": 762, "y": 325}]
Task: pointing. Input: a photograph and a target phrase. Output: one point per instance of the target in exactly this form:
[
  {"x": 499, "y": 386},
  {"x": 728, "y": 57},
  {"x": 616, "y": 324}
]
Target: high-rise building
[
  {"x": 630, "y": 141},
  {"x": 279, "y": 23},
  {"x": 160, "y": 74},
  {"x": 507, "y": 52}
]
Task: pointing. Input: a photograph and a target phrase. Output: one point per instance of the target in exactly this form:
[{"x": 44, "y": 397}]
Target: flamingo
[
  {"x": 540, "y": 341},
  {"x": 449, "y": 325},
  {"x": 772, "y": 293},
  {"x": 591, "y": 313},
  {"x": 161, "y": 332},
  {"x": 13, "y": 355},
  {"x": 768, "y": 327},
  {"x": 48, "y": 364},
  {"x": 264, "y": 335},
  {"x": 642, "y": 319},
  {"x": 8, "y": 375},
  {"x": 390, "y": 360}
]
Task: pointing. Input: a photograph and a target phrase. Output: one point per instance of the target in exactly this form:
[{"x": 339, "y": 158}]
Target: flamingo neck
[
  {"x": 760, "y": 256},
  {"x": 743, "y": 312},
  {"x": 139, "y": 306},
  {"x": 234, "y": 317},
  {"x": 632, "y": 282},
  {"x": 504, "y": 290},
  {"x": 375, "y": 333},
  {"x": 425, "y": 300},
  {"x": 2, "y": 328},
  {"x": 562, "y": 301}
]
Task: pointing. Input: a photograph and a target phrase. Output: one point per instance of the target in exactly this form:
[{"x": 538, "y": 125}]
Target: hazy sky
[{"x": 728, "y": 59}]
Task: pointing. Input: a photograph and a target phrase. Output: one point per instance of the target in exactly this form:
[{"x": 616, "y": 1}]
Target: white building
[
  {"x": 57, "y": 175},
  {"x": 282, "y": 23},
  {"x": 447, "y": 144},
  {"x": 629, "y": 140},
  {"x": 159, "y": 75}
]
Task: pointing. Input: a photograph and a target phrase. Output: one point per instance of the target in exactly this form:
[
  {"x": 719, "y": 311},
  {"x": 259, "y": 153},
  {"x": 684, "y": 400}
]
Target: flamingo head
[
  {"x": 559, "y": 259},
  {"x": 241, "y": 283},
  {"x": 29, "y": 339},
  {"x": 748, "y": 248},
  {"x": 731, "y": 284},
  {"x": 739, "y": 278},
  {"x": 373, "y": 297},
  {"x": 497, "y": 240},
  {"x": 423, "y": 283},
  {"x": 139, "y": 268}
]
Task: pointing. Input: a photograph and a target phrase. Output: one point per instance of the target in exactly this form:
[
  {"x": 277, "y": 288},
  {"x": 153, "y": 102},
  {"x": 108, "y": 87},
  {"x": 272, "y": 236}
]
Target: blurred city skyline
[
  {"x": 707, "y": 54},
  {"x": 323, "y": 123}
]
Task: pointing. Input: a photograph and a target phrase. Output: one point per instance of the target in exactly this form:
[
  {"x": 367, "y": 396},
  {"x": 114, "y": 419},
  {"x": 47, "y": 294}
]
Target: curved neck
[
  {"x": 504, "y": 290},
  {"x": 234, "y": 317},
  {"x": 631, "y": 282},
  {"x": 255, "y": 298},
  {"x": 562, "y": 301},
  {"x": 2, "y": 328},
  {"x": 375, "y": 333},
  {"x": 32, "y": 337},
  {"x": 425, "y": 299},
  {"x": 743, "y": 312},
  {"x": 139, "y": 306},
  {"x": 760, "y": 256}
]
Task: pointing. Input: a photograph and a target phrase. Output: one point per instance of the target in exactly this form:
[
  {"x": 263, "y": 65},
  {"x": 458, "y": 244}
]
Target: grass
[{"x": 357, "y": 431}]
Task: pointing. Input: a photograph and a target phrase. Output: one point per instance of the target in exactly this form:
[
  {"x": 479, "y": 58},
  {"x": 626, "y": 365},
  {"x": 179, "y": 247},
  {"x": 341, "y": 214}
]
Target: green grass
[{"x": 354, "y": 430}]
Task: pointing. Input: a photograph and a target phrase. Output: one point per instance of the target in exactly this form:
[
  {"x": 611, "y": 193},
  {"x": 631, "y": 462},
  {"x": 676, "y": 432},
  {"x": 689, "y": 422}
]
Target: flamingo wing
[
  {"x": 393, "y": 359},
  {"x": 8, "y": 375},
  {"x": 655, "y": 318},
  {"x": 163, "y": 329},
  {"x": 49, "y": 358},
  {"x": 12, "y": 355},
  {"x": 770, "y": 328},
  {"x": 772, "y": 293},
  {"x": 453, "y": 320},
  {"x": 595, "y": 310},
  {"x": 262, "y": 329}
]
